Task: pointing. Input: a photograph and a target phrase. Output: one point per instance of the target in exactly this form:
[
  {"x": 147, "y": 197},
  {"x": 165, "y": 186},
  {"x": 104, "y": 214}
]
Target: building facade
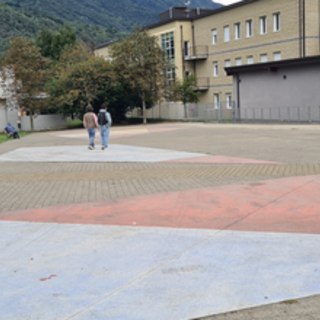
[
  {"x": 204, "y": 42},
  {"x": 286, "y": 90}
]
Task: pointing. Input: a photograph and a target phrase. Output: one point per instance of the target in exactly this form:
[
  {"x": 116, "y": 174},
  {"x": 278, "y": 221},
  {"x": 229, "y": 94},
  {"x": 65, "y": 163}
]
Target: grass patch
[
  {"x": 3, "y": 137},
  {"x": 76, "y": 123}
]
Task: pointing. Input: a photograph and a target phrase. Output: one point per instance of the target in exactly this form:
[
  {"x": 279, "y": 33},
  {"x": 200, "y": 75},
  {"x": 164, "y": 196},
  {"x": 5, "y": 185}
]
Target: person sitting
[{"x": 10, "y": 130}]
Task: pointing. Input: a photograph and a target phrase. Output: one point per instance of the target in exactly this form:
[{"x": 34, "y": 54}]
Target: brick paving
[{"x": 39, "y": 185}]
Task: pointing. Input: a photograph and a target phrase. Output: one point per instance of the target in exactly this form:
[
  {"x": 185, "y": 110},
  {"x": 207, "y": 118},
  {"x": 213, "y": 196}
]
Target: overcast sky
[{"x": 226, "y": 2}]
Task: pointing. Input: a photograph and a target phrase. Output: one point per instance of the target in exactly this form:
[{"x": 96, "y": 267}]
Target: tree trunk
[
  {"x": 185, "y": 111},
  {"x": 31, "y": 120},
  {"x": 144, "y": 109}
]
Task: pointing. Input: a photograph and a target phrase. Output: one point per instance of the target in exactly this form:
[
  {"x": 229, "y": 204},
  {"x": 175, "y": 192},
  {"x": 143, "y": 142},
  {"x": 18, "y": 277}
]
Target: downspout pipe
[
  {"x": 304, "y": 26},
  {"x": 183, "y": 53},
  {"x": 194, "y": 51},
  {"x": 238, "y": 97}
]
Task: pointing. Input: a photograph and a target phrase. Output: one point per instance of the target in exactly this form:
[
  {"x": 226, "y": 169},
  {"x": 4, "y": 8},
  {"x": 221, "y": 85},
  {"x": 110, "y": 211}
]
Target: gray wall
[
  {"x": 268, "y": 94},
  {"x": 41, "y": 122},
  {"x": 44, "y": 122},
  {"x": 7, "y": 115}
]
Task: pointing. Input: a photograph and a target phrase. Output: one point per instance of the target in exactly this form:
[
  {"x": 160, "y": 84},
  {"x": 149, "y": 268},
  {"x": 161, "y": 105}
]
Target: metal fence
[
  {"x": 293, "y": 114},
  {"x": 228, "y": 112},
  {"x": 194, "y": 111}
]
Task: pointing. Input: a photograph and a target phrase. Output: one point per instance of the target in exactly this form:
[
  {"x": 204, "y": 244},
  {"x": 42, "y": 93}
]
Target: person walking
[
  {"x": 90, "y": 122},
  {"x": 104, "y": 121}
]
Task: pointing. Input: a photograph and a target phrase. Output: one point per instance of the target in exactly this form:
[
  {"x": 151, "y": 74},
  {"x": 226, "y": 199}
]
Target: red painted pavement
[{"x": 283, "y": 205}]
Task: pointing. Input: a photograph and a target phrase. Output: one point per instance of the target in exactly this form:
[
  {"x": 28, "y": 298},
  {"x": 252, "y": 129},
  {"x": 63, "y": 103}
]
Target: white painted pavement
[
  {"x": 115, "y": 153},
  {"x": 52, "y": 271}
]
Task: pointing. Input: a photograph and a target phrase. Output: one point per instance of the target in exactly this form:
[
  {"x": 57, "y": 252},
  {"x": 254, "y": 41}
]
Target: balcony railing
[
  {"x": 196, "y": 53},
  {"x": 202, "y": 84}
]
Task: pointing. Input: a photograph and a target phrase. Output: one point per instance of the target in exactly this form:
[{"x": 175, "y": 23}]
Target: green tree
[
  {"x": 139, "y": 62},
  {"x": 25, "y": 73},
  {"x": 80, "y": 78},
  {"x": 53, "y": 44},
  {"x": 185, "y": 92}
]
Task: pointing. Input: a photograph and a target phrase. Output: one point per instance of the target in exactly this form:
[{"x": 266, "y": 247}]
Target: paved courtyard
[{"x": 172, "y": 221}]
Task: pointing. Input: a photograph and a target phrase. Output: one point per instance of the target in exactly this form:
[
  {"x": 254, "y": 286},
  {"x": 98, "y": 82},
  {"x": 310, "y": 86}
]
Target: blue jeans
[
  {"x": 104, "y": 135},
  {"x": 92, "y": 135}
]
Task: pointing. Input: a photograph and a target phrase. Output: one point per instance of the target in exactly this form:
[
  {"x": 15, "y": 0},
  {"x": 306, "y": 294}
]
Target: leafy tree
[
  {"x": 185, "y": 92},
  {"x": 53, "y": 44},
  {"x": 139, "y": 63},
  {"x": 80, "y": 78},
  {"x": 25, "y": 73}
]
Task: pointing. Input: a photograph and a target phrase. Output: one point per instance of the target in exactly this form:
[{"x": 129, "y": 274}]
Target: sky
[{"x": 226, "y": 2}]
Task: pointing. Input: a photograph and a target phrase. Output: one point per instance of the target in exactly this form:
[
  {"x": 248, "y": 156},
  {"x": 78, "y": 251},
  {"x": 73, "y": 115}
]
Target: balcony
[
  {"x": 196, "y": 53},
  {"x": 202, "y": 84}
]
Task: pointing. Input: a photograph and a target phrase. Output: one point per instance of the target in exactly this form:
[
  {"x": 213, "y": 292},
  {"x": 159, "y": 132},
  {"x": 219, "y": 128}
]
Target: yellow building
[{"x": 205, "y": 41}]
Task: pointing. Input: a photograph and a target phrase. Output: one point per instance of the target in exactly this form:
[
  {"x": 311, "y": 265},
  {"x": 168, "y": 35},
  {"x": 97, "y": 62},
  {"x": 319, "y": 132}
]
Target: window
[
  {"x": 264, "y": 58},
  {"x": 188, "y": 74},
  {"x": 226, "y": 34},
  {"x": 215, "y": 69},
  {"x": 276, "y": 22},
  {"x": 227, "y": 64},
  {"x": 249, "y": 28},
  {"x": 187, "y": 49},
  {"x": 238, "y": 62},
  {"x": 250, "y": 60},
  {"x": 216, "y": 100},
  {"x": 214, "y": 36},
  {"x": 167, "y": 45},
  {"x": 237, "y": 31},
  {"x": 277, "y": 56},
  {"x": 229, "y": 100},
  {"x": 263, "y": 25}
]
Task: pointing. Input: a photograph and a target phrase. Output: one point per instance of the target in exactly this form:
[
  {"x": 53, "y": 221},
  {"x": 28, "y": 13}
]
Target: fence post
[
  {"x": 234, "y": 111},
  {"x": 220, "y": 111},
  {"x": 159, "y": 111},
  {"x": 206, "y": 109},
  {"x": 270, "y": 114}
]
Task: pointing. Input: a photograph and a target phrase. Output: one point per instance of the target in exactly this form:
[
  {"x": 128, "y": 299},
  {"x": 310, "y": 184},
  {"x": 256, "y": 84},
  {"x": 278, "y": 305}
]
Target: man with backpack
[{"x": 104, "y": 121}]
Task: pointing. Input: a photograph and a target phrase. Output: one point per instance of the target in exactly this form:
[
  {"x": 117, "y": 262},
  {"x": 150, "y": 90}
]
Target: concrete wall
[
  {"x": 7, "y": 115},
  {"x": 41, "y": 122},
  {"x": 44, "y": 122},
  {"x": 291, "y": 93}
]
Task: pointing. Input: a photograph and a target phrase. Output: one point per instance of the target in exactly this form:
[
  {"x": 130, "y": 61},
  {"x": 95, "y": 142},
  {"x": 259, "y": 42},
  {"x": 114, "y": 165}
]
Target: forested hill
[
  {"x": 94, "y": 21},
  {"x": 118, "y": 14}
]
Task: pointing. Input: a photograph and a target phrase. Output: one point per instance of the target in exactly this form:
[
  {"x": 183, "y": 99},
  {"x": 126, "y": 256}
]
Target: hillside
[
  {"x": 95, "y": 21},
  {"x": 16, "y": 22}
]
